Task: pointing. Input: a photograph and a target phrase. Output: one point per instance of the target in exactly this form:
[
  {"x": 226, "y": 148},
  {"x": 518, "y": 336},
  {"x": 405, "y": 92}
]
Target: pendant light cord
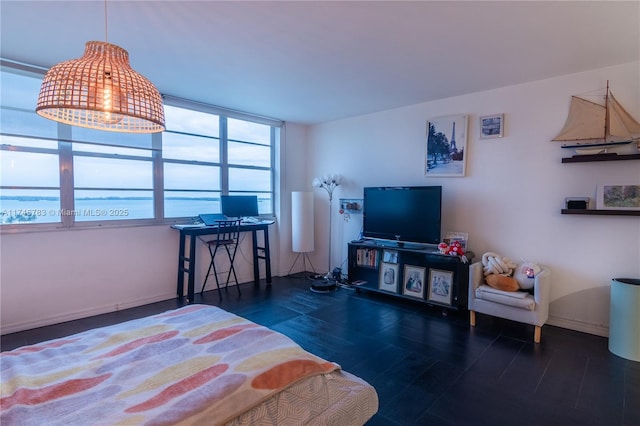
[{"x": 106, "y": 39}]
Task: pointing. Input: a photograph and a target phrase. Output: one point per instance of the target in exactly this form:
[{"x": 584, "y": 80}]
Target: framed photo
[
  {"x": 491, "y": 126},
  {"x": 462, "y": 237},
  {"x": 388, "y": 277},
  {"x": 446, "y": 141},
  {"x": 351, "y": 205},
  {"x": 390, "y": 256},
  {"x": 440, "y": 286},
  {"x": 618, "y": 197},
  {"x": 413, "y": 284}
]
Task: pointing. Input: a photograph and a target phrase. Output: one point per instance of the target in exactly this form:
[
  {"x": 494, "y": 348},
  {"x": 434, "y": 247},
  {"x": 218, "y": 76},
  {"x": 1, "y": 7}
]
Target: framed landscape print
[
  {"x": 446, "y": 141},
  {"x": 440, "y": 286},
  {"x": 388, "y": 277},
  {"x": 413, "y": 281},
  {"x": 618, "y": 197}
]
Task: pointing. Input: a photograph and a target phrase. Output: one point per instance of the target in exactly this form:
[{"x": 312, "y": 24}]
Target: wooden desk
[{"x": 188, "y": 264}]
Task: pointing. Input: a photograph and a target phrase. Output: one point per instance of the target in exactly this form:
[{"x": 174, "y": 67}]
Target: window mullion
[
  {"x": 67, "y": 202},
  {"x": 224, "y": 156},
  {"x": 273, "y": 133},
  {"x": 158, "y": 177}
]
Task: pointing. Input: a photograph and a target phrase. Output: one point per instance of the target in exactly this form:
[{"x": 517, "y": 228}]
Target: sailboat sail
[
  {"x": 621, "y": 123},
  {"x": 592, "y": 124},
  {"x": 585, "y": 121}
]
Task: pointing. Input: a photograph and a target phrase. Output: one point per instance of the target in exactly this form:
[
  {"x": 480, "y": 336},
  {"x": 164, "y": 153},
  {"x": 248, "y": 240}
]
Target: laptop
[{"x": 209, "y": 219}]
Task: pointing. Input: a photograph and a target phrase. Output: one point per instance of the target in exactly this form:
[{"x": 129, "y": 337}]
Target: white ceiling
[{"x": 310, "y": 62}]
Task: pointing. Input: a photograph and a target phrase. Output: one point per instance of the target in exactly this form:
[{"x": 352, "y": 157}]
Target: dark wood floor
[{"x": 429, "y": 369}]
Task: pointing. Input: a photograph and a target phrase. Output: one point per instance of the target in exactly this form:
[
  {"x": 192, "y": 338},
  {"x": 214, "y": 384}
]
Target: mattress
[
  {"x": 194, "y": 365},
  {"x": 337, "y": 398}
]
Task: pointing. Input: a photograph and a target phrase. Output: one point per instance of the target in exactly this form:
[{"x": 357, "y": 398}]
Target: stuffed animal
[
  {"x": 526, "y": 273},
  {"x": 502, "y": 282},
  {"x": 453, "y": 249},
  {"x": 493, "y": 263}
]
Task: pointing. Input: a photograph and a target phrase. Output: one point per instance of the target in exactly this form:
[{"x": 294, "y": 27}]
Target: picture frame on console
[
  {"x": 413, "y": 281},
  {"x": 390, "y": 256},
  {"x": 446, "y": 146},
  {"x": 388, "y": 280},
  {"x": 440, "y": 286}
]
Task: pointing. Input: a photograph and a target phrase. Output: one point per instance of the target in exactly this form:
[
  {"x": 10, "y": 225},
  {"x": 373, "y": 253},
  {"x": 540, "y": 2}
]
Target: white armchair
[{"x": 517, "y": 306}]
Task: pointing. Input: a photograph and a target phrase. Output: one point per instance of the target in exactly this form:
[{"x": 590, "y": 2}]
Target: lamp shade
[
  {"x": 101, "y": 91},
  {"x": 302, "y": 240}
]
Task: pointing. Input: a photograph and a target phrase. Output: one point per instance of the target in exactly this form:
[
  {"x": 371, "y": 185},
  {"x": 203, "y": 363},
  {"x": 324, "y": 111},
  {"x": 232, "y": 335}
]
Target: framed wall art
[
  {"x": 618, "y": 197},
  {"x": 491, "y": 126},
  {"x": 413, "y": 281},
  {"x": 388, "y": 280},
  {"x": 446, "y": 146},
  {"x": 440, "y": 286}
]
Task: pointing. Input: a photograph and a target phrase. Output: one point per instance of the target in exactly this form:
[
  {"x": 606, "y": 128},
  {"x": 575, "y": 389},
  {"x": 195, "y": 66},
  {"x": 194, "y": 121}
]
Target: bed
[{"x": 194, "y": 365}]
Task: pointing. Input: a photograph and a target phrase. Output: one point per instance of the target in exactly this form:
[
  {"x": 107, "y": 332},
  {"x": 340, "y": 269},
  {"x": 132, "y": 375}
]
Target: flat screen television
[
  {"x": 239, "y": 205},
  {"x": 410, "y": 214}
]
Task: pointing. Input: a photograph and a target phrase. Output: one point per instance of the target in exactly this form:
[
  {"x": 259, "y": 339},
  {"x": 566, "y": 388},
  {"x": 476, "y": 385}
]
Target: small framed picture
[
  {"x": 413, "y": 284},
  {"x": 618, "y": 197},
  {"x": 440, "y": 286},
  {"x": 390, "y": 256},
  {"x": 351, "y": 205},
  {"x": 492, "y": 126},
  {"x": 388, "y": 277}
]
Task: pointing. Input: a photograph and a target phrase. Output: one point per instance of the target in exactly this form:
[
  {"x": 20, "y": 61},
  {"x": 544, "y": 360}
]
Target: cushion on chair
[
  {"x": 502, "y": 282},
  {"x": 516, "y": 299}
]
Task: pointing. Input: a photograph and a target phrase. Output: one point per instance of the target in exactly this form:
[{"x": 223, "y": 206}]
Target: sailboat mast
[{"x": 606, "y": 113}]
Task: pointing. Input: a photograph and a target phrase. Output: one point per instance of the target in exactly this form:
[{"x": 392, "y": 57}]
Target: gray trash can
[{"x": 624, "y": 318}]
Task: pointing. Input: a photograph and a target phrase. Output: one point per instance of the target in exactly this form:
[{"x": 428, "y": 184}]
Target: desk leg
[
  {"x": 267, "y": 255},
  {"x": 256, "y": 259},
  {"x": 192, "y": 268},
  {"x": 180, "y": 287}
]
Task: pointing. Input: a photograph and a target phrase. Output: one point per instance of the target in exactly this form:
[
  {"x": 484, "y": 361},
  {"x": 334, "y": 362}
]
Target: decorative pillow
[
  {"x": 526, "y": 273},
  {"x": 502, "y": 282}
]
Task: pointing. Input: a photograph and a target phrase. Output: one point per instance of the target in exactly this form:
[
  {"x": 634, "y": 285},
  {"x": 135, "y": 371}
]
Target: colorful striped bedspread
[{"x": 194, "y": 365}]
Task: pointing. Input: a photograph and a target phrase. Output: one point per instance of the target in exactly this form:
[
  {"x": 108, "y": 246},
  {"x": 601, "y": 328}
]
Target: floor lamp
[
  {"x": 302, "y": 241},
  {"x": 329, "y": 183}
]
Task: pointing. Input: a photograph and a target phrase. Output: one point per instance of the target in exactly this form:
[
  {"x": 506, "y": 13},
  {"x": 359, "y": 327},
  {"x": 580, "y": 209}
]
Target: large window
[
  {"x": 191, "y": 162},
  {"x": 53, "y": 173}
]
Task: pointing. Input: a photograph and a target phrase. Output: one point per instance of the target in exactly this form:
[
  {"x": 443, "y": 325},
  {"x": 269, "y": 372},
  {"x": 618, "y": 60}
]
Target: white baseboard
[
  {"x": 89, "y": 312},
  {"x": 584, "y": 327}
]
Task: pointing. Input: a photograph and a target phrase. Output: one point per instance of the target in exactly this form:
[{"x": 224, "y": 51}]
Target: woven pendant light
[{"x": 101, "y": 91}]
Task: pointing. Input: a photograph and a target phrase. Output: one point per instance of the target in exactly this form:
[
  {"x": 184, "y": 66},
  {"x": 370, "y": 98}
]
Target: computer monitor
[{"x": 239, "y": 205}]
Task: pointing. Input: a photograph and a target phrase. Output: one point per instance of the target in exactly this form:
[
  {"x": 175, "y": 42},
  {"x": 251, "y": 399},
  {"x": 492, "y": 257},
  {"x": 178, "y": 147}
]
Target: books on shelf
[{"x": 367, "y": 257}]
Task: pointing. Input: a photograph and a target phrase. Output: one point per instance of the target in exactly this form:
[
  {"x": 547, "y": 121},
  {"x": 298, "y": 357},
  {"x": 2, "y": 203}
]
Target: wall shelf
[
  {"x": 595, "y": 212},
  {"x": 600, "y": 157}
]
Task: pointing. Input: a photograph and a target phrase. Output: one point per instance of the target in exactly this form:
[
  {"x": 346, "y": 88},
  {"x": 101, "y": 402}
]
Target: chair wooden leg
[
  {"x": 472, "y": 318},
  {"x": 537, "y": 333}
]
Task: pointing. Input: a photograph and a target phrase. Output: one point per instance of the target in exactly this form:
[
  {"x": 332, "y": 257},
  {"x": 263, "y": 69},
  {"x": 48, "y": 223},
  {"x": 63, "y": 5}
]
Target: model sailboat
[{"x": 592, "y": 128}]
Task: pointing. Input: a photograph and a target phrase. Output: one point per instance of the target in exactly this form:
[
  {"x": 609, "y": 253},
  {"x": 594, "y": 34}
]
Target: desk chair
[{"x": 227, "y": 237}]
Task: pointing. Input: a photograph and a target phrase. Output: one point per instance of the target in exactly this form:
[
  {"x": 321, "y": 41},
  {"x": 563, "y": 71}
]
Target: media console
[{"x": 409, "y": 272}]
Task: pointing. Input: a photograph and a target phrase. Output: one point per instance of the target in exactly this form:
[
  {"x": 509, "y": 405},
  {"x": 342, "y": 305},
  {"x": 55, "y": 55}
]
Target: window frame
[{"x": 66, "y": 157}]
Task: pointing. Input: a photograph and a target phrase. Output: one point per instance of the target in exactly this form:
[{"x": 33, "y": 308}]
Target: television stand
[{"x": 415, "y": 272}]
